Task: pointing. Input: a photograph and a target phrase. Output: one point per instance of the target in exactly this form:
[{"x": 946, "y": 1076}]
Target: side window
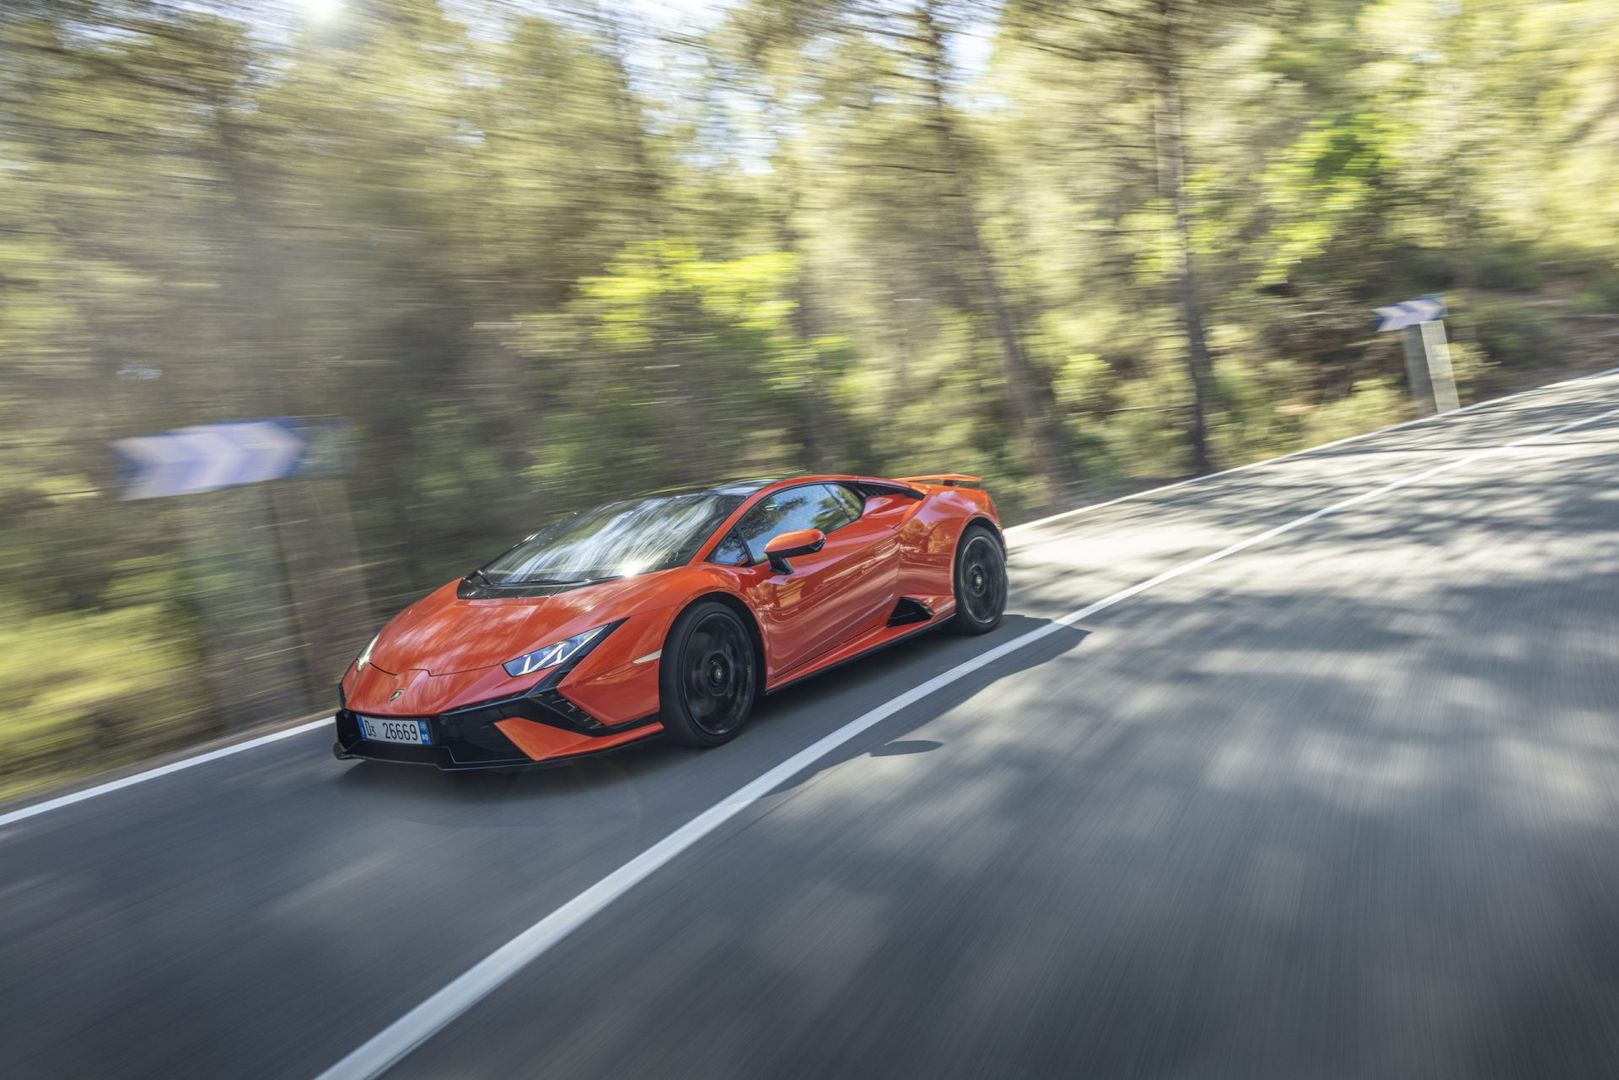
[
  {"x": 853, "y": 503},
  {"x": 810, "y": 506},
  {"x": 731, "y": 551}
]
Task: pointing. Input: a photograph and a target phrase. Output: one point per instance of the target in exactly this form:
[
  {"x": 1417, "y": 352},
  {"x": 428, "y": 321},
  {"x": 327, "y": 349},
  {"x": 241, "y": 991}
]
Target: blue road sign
[
  {"x": 1412, "y": 312},
  {"x": 207, "y": 457}
]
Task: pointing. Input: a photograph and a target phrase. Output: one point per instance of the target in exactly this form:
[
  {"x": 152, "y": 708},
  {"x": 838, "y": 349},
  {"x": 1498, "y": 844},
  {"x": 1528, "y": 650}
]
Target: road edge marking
[
  {"x": 390, "y": 1045},
  {"x": 23, "y": 813},
  {"x": 1291, "y": 454}
]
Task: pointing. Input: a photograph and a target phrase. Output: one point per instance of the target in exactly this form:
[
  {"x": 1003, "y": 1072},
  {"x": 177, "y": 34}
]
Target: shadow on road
[
  {"x": 1345, "y": 806},
  {"x": 784, "y": 723}
]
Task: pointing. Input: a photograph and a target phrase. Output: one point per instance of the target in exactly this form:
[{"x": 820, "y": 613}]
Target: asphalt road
[{"x": 1343, "y": 802}]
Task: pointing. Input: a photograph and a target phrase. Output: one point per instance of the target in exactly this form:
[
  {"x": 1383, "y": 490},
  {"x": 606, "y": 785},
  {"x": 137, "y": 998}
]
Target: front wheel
[
  {"x": 708, "y": 676},
  {"x": 980, "y": 579}
]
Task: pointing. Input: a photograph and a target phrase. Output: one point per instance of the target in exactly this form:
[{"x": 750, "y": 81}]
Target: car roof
[
  {"x": 745, "y": 487},
  {"x": 738, "y": 486}
]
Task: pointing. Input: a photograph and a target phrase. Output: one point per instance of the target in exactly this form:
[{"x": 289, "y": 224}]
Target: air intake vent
[{"x": 909, "y": 611}]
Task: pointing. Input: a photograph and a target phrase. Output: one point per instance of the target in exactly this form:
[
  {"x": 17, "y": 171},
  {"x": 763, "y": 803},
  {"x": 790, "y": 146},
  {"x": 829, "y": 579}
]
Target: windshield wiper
[{"x": 479, "y": 575}]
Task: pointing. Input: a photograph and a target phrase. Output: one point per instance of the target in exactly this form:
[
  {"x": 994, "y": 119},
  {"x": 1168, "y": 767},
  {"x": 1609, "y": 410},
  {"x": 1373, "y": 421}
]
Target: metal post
[
  {"x": 1441, "y": 379},
  {"x": 1427, "y": 357},
  {"x": 1416, "y": 369}
]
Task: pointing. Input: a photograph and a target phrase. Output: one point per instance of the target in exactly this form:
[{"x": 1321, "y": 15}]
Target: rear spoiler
[{"x": 944, "y": 479}]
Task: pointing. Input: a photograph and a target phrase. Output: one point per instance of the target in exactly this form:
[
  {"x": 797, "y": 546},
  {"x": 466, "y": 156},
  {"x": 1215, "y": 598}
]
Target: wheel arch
[
  {"x": 962, "y": 621},
  {"x": 735, "y": 603},
  {"x": 988, "y": 523}
]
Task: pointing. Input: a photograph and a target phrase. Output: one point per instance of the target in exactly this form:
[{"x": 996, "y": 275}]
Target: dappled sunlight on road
[{"x": 1352, "y": 782}]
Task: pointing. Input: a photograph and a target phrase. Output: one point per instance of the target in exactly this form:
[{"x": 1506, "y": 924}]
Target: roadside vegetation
[{"x": 536, "y": 255}]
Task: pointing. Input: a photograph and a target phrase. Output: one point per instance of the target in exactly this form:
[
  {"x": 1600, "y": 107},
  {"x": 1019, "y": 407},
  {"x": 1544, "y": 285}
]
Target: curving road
[{"x": 1335, "y": 794}]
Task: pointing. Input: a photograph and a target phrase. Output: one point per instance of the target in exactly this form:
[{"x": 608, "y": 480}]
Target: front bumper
[
  {"x": 472, "y": 737},
  {"x": 541, "y": 724}
]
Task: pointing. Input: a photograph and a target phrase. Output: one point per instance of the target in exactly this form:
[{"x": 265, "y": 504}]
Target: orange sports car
[{"x": 670, "y": 614}]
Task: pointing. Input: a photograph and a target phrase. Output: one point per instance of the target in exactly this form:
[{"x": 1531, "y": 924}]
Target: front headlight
[
  {"x": 551, "y": 655},
  {"x": 365, "y": 654}
]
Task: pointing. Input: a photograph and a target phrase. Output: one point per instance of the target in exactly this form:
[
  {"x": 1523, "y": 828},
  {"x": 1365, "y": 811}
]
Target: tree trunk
[
  {"x": 1172, "y": 169},
  {"x": 815, "y": 431},
  {"x": 1029, "y": 396},
  {"x": 319, "y": 556}
]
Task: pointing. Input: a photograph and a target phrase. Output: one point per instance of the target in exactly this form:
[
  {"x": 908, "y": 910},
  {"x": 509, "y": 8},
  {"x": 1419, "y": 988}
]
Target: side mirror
[{"x": 789, "y": 544}]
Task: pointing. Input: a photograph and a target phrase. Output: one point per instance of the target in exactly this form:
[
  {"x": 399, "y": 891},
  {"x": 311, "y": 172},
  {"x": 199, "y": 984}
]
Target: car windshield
[{"x": 617, "y": 540}]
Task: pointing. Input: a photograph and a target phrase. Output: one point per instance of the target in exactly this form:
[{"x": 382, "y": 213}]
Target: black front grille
[
  {"x": 348, "y": 728},
  {"x": 461, "y": 745}
]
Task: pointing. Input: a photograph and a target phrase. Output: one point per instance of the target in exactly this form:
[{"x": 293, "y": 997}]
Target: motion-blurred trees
[{"x": 537, "y": 255}]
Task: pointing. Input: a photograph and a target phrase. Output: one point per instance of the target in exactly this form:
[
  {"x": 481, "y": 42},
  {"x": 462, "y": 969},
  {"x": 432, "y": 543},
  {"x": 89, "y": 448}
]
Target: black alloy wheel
[
  {"x": 980, "y": 581},
  {"x": 708, "y": 675}
]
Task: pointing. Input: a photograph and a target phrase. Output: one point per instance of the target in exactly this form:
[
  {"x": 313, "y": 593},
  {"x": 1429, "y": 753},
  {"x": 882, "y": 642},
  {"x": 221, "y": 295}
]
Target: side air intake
[{"x": 909, "y": 611}]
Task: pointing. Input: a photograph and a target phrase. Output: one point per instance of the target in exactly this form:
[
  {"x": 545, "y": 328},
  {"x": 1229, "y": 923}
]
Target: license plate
[{"x": 381, "y": 729}]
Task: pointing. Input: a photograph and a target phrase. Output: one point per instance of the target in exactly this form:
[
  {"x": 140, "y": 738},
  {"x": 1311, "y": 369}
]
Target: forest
[{"x": 524, "y": 257}]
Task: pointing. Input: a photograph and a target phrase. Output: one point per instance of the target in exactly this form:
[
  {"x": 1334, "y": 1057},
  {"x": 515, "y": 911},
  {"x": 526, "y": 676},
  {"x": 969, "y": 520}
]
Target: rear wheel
[
  {"x": 980, "y": 579},
  {"x": 708, "y": 676}
]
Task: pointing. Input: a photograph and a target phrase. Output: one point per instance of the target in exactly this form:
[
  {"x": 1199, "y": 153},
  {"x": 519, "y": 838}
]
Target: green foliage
[
  {"x": 1477, "y": 378},
  {"x": 1517, "y": 335},
  {"x": 1508, "y": 267},
  {"x": 1144, "y": 436},
  {"x": 1259, "y": 409},
  {"x": 541, "y": 260},
  {"x": 85, "y": 688},
  {"x": 1370, "y": 405}
]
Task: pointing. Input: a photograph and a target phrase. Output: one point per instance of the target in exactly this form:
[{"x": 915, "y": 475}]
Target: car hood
[{"x": 445, "y": 635}]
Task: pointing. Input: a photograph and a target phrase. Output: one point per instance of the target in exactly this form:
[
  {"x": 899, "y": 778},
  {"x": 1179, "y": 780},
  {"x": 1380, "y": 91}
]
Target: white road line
[
  {"x": 23, "y": 813},
  {"x": 1189, "y": 481},
  {"x": 421, "y": 1023},
  {"x": 34, "y": 809}
]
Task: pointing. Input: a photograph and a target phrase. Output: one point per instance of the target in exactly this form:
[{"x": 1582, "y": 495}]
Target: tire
[
  {"x": 980, "y": 581},
  {"x": 708, "y": 676}
]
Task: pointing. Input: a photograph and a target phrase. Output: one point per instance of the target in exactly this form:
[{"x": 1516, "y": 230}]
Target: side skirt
[{"x": 908, "y": 632}]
